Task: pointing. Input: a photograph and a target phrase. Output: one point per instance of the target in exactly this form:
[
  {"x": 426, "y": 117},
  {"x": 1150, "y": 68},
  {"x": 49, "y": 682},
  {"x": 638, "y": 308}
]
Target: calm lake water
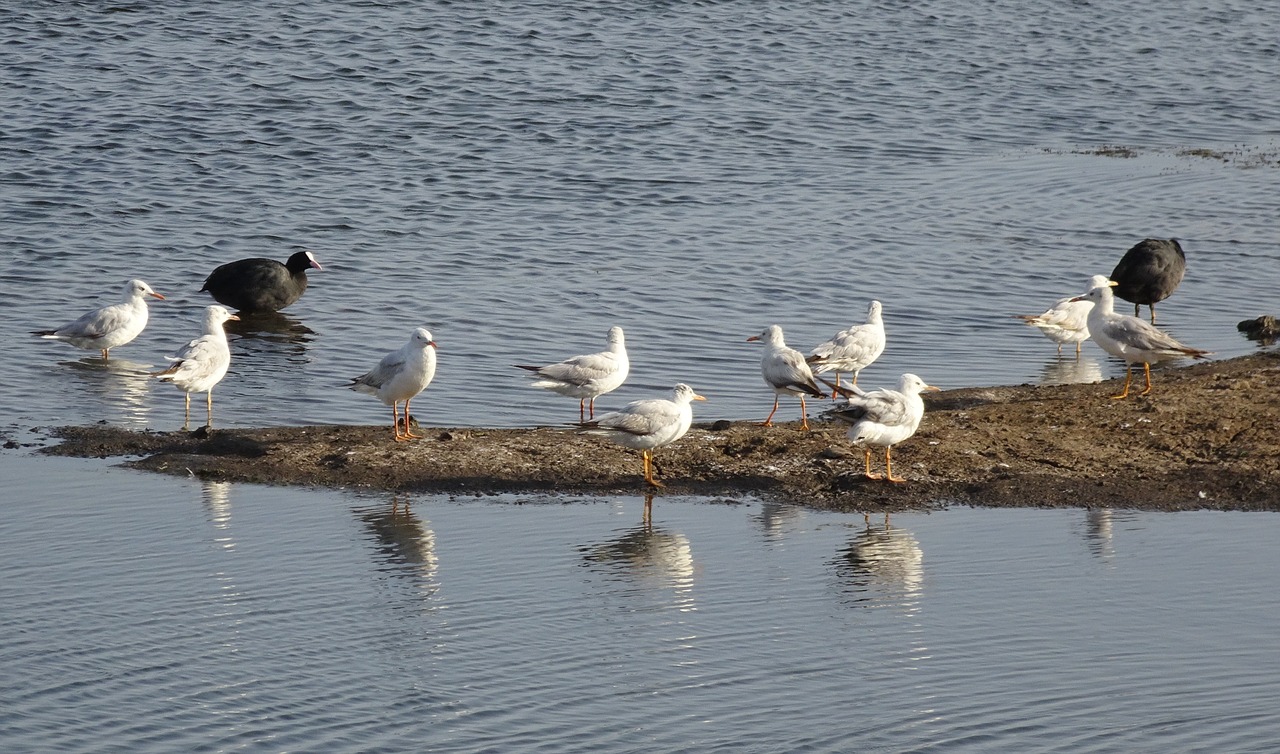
[{"x": 518, "y": 177}]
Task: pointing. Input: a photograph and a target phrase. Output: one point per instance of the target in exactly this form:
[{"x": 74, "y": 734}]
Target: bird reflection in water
[
  {"x": 1078, "y": 370},
  {"x": 775, "y": 518},
  {"x": 651, "y": 555},
  {"x": 1097, "y": 534},
  {"x": 883, "y": 566},
  {"x": 404, "y": 541},
  {"x": 271, "y": 327},
  {"x": 120, "y": 385},
  {"x": 216, "y": 497}
]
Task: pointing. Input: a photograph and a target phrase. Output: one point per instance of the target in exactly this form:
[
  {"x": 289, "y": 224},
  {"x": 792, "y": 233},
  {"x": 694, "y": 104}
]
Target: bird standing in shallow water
[
  {"x": 202, "y": 363},
  {"x": 587, "y": 377},
  {"x": 1149, "y": 272},
  {"x": 785, "y": 370},
  {"x": 883, "y": 418},
  {"x": 1130, "y": 338},
  {"x": 109, "y": 326},
  {"x": 261, "y": 285},
  {"x": 1067, "y": 321},
  {"x": 851, "y": 350},
  {"x": 399, "y": 376},
  {"x": 648, "y": 425}
]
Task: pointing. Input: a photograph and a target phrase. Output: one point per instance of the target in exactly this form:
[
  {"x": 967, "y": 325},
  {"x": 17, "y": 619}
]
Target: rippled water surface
[
  {"x": 518, "y": 177},
  {"x": 162, "y": 615}
]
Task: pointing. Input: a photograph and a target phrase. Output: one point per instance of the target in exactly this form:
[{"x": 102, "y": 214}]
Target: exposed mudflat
[{"x": 1207, "y": 437}]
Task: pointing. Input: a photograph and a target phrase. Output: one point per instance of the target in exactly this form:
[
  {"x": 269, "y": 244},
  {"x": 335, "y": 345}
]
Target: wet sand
[{"x": 1208, "y": 436}]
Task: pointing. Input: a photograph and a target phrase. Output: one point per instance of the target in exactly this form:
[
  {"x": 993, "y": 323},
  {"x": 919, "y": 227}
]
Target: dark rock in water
[{"x": 1264, "y": 329}]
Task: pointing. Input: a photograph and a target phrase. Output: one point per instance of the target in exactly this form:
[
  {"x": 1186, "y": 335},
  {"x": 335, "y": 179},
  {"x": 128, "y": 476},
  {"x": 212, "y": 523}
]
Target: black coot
[
  {"x": 261, "y": 285},
  {"x": 1149, "y": 272}
]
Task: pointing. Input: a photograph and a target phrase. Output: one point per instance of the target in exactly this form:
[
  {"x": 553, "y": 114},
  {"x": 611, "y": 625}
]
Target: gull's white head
[
  {"x": 911, "y": 384},
  {"x": 873, "y": 312},
  {"x": 684, "y": 394},
  {"x": 772, "y": 335},
  {"x": 615, "y": 336},
  {"x": 137, "y": 289},
  {"x": 422, "y": 338},
  {"x": 215, "y": 315}
]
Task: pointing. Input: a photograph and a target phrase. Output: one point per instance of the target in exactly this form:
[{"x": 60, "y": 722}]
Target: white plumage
[
  {"x": 588, "y": 376},
  {"x": 1067, "y": 321},
  {"x": 884, "y": 418},
  {"x": 1130, "y": 338},
  {"x": 851, "y": 350},
  {"x": 400, "y": 376},
  {"x": 109, "y": 326},
  {"x": 785, "y": 370},
  {"x": 649, "y": 424},
  {"x": 203, "y": 362}
]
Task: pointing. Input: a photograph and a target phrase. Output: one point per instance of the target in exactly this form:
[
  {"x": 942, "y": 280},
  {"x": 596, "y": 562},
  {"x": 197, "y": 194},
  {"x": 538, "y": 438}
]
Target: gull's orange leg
[
  {"x": 1146, "y": 368},
  {"x": 804, "y": 415},
  {"x": 769, "y": 421},
  {"x": 1128, "y": 375},
  {"x": 582, "y": 410},
  {"x": 888, "y": 467},
  {"x": 1077, "y": 348},
  {"x": 648, "y": 470},
  {"x": 834, "y": 392},
  {"x": 867, "y": 459},
  {"x": 395, "y": 421},
  {"x": 407, "y": 433}
]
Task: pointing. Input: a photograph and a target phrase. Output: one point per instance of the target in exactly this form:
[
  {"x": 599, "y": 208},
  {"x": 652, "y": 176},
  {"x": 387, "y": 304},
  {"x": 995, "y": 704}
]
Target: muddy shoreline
[{"x": 1208, "y": 437}]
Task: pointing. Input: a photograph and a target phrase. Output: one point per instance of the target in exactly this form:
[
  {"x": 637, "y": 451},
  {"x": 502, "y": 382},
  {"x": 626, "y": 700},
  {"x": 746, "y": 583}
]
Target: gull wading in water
[
  {"x": 649, "y": 424},
  {"x": 109, "y": 326},
  {"x": 883, "y": 418},
  {"x": 1149, "y": 272},
  {"x": 1067, "y": 321},
  {"x": 785, "y": 370},
  {"x": 400, "y": 376},
  {"x": 201, "y": 363},
  {"x": 259, "y": 284},
  {"x": 851, "y": 350},
  {"x": 586, "y": 377},
  {"x": 1130, "y": 338}
]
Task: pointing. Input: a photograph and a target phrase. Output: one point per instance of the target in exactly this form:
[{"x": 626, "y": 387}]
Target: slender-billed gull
[
  {"x": 1149, "y": 272},
  {"x": 203, "y": 362},
  {"x": 1130, "y": 338},
  {"x": 649, "y": 424},
  {"x": 851, "y": 350},
  {"x": 785, "y": 370},
  {"x": 261, "y": 285},
  {"x": 883, "y": 418},
  {"x": 109, "y": 326},
  {"x": 401, "y": 375},
  {"x": 586, "y": 377},
  {"x": 1067, "y": 321}
]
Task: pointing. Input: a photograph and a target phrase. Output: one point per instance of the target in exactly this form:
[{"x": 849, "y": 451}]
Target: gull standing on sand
[
  {"x": 1130, "y": 338},
  {"x": 785, "y": 370},
  {"x": 851, "y": 350},
  {"x": 203, "y": 362},
  {"x": 400, "y": 376},
  {"x": 1067, "y": 321},
  {"x": 586, "y": 377},
  {"x": 109, "y": 326},
  {"x": 883, "y": 418},
  {"x": 649, "y": 424}
]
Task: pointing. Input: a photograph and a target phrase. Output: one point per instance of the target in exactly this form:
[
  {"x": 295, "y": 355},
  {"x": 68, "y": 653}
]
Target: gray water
[
  {"x": 520, "y": 177},
  {"x": 148, "y": 614}
]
